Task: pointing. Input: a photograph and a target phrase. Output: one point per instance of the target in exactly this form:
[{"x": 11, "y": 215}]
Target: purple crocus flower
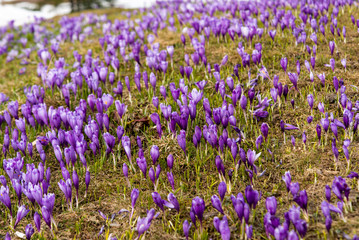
[
  {"x": 7, "y": 236},
  {"x": 293, "y": 77},
  {"x": 186, "y": 228},
  {"x": 37, "y": 220},
  {"x": 344, "y": 63},
  {"x": 110, "y": 142},
  {"x": 121, "y": 108},
  {"x": 222, "y": 227},
  {"x": 249, "y": 231},
  {"x": 171, "y": 180},
  {"x": 21, "y": 213},
  {"x": 143, "y": 224},
  {"x": 5, "y": 198},
  {"x": 271, "y": 205},
  {"x": 181, "y": 139},
  {"x": 319, "y": 132},
  {"x": 252, "y": 196},
  {"x": 154, "y": 154},
  {"x": 216, "y": 203},
  {"x": 293, "y": 140},
  {"x": 156, "y": 120},
  {"x": 126, "y": 144},
  {"x": 198, "y": 207},
  {"x": 222, "y": 189},
  {"x": 13, "y": 108},
  {"x": 172, "y": 202},
  {"x": 264, "y": 130},
  {"x": 310, "y": 100},
  {"x": 158, "y": 200},
  {"x": 134, "y": 196},
  {"x": 87, "y": 181},
  {"x": 29, "y": 231},
  {"x": 272, "y": 34},
  {"x": 142, "y": 164},
  {"x": 170, "y": 161},
  {"x": 284, "y": 64}
]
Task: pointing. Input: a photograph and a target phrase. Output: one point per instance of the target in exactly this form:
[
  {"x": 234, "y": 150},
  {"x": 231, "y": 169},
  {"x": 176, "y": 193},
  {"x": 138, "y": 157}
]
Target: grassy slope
[{"x": 312, "y": 167}]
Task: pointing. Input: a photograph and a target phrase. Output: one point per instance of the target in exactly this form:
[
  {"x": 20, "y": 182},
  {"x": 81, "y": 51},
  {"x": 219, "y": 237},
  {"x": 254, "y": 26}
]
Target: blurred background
[{"x": 24, "y": 11}]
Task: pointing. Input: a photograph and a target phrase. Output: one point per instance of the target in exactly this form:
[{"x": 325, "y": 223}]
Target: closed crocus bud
[
  {"x": 243, "y": 102},
  {"x": 37, "y": 220},
  {"x": 222, "y": 227},
  {"x": 233, "y": 121},
  {"x": 5, "y": 198},
  {"x": 20, "y": 124},
  {"x": 319, "y": 132},
  {"x": 29, "y": 149},
  {"x": 142, "y": 164},
  {"x": 170, "y": 161},
  {"x": 284, "y": 64},
  {"x": 310, "y": 119},
  {"x": 155, "y": 101},
  {"x": 298, "y": 67},
  {"x": 163, "y": 91},
  {"x": 87, "y": 180},
  {"x": 171, "y": 180},
  {"x": 3, "y": 180},
  {"x": 125, "y": 170},
  {"x": 264, "y": 130},
  {"x": 328, "y": 192},
  {"x": 285, "y": 92},
  {"x": 252, "y": 196},
  {"x": 249, "y": 231},
  {"x": 181, "y": 139},
  {"x": 152, "y": 175},
  {"x": 7, "y": 236},
  {"x": 222, "y": 189},
  {"x": 154, "y": 154},
  {"x": 304, "y": 138},
  {"x": 186, "y": 228},
  {"x": 331, "y": 47},
  {"x": 271, "y": 205},
  {"x": 310, "y": 100},
  {"x": 29, "y": 231},
  {"x": 259, "y": 141},
  {"x": 302, "y": 200},
  {"x": 75, "y": 180},
  {"x": 13, "y": 108},
  {"x": 293, "y": 140},
  {"x": 111, "y": 78},
  {"x": 198, "y": 207}
]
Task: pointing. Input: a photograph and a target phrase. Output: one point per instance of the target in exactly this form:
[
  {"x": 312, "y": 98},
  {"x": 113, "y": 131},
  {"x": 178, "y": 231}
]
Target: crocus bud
[
  {"x": 170, "y": 161},
  {"x": 216, "y": 203},
  {"x": 319, "y": 132},
  {"x": 125, "y": 170},
  {"x": 154, "y": 154},
  {"x": 171, "y": 180},
  {"x": 186, "y": 228},
  {"x": 87, "y": 180},
  {"x": 134, "y": 196},
  {"x": 29, "y": 231},
  {"x": 198, "y": 207}
]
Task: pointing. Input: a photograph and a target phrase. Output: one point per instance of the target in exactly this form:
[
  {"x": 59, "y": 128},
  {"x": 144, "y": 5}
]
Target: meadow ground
[{"x": 195, "y": 174}]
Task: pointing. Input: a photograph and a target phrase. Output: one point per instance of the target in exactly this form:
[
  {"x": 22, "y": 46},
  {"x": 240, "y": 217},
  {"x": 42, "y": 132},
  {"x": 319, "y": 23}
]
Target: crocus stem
[{"x": 114, "y": 162}]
